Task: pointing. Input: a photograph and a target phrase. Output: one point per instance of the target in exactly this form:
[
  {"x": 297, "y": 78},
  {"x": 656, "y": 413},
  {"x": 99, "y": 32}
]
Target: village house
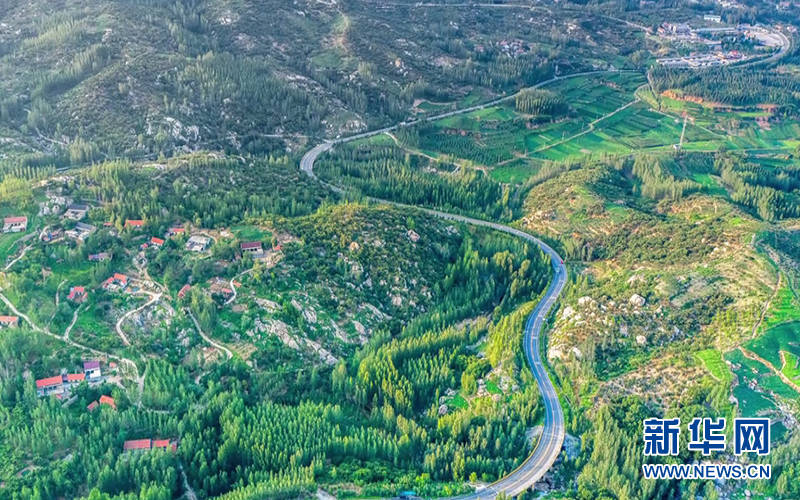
[
  {"x": 81, "y": 231},
  {"x": 252, "y": 248},
  {"x": 156, "y": 242},
  {"x": 198, "y": 243},
  {"x": 99, "y": 257},
  {"x": 58, "y": 385},
  {"x": 174, "y": 231},
  {"x": 92, "y": 370},
  {"x": 9, "y": 321},
  {"x": 182, "y": 292},
  {"x": 15, "y": 224},
  {"x": 50, "y": 385},
  {"x": 117, "y": 282},
  {"x": 134, "y": 223},
  {"x": 150, "y": 444},
  {"x": 220, "y": 287},
  {"x": 104, "y": 400},
  {"x": 77, "y": 294},
  {"x": 76, "y": 211},
  {"x": 51, "y": 235}
]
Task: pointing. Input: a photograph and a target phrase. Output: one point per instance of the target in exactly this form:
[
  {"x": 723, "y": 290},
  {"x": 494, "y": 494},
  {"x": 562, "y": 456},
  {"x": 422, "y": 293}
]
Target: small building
[
  {"x": 198, "y": 243},
  {"x": 51, "y": 235},
  {"x": 99, "y": 257},
  {"x": 182, "y": 292},
  {"x": 251, "y": 248},
  {"x": 9, "y": 321},
  {"x": 156, "y": 242},
  {"x": 134, "y": 223},
  {"x": 92, "y": 370},
  {"x": 219, "y": 286},
  {"x": 108, "y": 401},
  {"x": 174, "y": 231},
  {"x": 74, "y": 378},
  {"x": 118, "y": 281},
  {"x": 92, "y": 406},
  {"x": 137, "y": 444},
  {"x": 81, "y": 231},
  {"x": 77, "y": 294},
  {"x": 165, "y": 444},
  {"x": 50, "y": 385},
  {"x": 15, "y": 224},
  {"x": 76, "y": 211},
  {"x": 150, "y": 444}
]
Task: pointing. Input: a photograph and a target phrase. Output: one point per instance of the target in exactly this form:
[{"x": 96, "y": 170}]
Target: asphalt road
[{"x": 552, "y": 437}]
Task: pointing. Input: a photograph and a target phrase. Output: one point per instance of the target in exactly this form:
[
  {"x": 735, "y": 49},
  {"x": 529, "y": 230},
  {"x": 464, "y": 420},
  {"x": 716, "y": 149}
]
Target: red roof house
[
  {"x": 92, "y": 406},
  {"x": 77, "y": 294},
  {"x": 44, "y": 383},
  {"x": 182, "y": 292},
  {"x": 137, "y": 444},
  {"x": 251, "y": 247},
  {"x": 156, "y": 241},
  {"x": 76, "y": 378},
  {"x": 9, "y": 320},
  {"x": 108, "y": 400},
  {"x": 15, "y": 224},
  {"x": 165, "y": 444},
  {"x": 134, "y": 223}
]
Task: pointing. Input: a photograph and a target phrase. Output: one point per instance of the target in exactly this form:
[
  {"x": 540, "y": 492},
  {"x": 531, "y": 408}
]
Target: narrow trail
[
  {"x": 767, "y": 304},
  {"x": 208, "y": 339},
  {"x": 72, "y": 324},
  {"x": 154, "y": 297},
  {"x": 233, "y": 286}
]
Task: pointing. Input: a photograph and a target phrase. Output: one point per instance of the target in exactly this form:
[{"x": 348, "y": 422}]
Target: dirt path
[
  {"x": 72, "y": 324},
  {"x": 154, "y": 297},
  {"x": 233, "y": 287},
  {"x": 190, "y": 494},
  {"x": 21, "y": 255},
  {"x": 755, "y": 357},
  {"x": 208, "y": 339},
  {"x": 765, "y": 309}
]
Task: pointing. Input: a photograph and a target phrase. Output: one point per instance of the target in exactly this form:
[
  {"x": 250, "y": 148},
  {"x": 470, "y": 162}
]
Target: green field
[
  {"x": 716, "y": 366},
  {"x": 791, "y": 367},
  {"x": 784, "y": 337}
]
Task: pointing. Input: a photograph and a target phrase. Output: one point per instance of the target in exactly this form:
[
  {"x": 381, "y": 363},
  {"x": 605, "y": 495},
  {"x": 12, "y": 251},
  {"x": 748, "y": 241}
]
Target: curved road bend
[{"x": 552, "y": 437}]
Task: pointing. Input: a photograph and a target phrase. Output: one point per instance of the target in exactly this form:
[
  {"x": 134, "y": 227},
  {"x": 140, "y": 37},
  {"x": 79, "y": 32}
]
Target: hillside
[{"x": 85, "y": 80}]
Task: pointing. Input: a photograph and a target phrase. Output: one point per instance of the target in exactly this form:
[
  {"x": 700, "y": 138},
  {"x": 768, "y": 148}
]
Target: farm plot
[{"x": 784, "y": 337}]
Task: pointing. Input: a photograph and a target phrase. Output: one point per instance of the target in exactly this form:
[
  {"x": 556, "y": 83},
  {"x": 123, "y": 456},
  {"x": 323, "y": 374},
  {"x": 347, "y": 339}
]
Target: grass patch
[{"x": 716, "y": 366}]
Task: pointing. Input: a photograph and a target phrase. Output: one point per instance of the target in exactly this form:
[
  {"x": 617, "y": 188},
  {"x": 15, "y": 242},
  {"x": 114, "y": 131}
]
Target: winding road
[{"x": 552, "y": 437}]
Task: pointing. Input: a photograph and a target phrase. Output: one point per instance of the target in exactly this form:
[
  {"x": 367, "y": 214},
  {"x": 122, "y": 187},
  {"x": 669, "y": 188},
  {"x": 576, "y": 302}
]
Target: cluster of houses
[
  {"x": 60, "y": 385},
  {"x": 16, "y": 224}
]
